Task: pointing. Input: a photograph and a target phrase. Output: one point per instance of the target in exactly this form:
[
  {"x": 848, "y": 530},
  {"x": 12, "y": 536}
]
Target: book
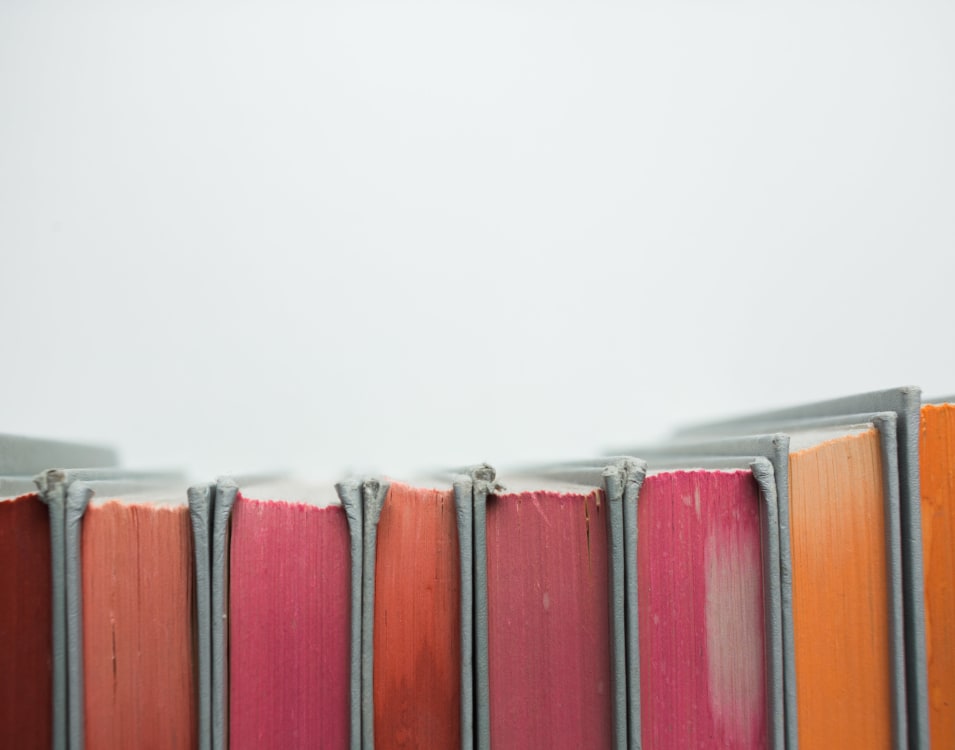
[
  {"x": 552, "y": 656},
  {"x": 26, "y": 619},
  {"x": 412, "y": 618},
  {"x": 937, "y": 468},
  {"x": 200, "y": 499},
  {"x": 845, "y": 666},
  {"x": 32, "y": 596},
  {"x": 709, "y": 624},
  {"x": 135, "y": 618},
  {"x": 905, "y": 404},
  {"x": 286, "y": 609},
  {"x": 111, "y": 603},
  {"x": 747, "y": 584}
]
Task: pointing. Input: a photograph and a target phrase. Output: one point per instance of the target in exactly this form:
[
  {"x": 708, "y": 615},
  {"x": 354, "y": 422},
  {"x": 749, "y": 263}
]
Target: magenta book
[{"x": 701, "y": 619}]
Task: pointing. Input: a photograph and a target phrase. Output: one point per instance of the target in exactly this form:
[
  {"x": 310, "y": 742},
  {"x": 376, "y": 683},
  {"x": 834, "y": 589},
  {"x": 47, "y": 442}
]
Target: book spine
[
  {"x": 200, "y": 504},
  {"x": 77, "y": 500},
  {"x": 350, "y": 493}
]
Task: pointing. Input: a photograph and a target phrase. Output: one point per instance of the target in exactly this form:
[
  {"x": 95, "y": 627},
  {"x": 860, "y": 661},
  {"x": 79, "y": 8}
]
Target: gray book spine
[
  {"x": 350, "y": 493},
  {"x": 616, "y": 479},
  {"x": 201, "y": 500},
  {"x": 633, "y": 481},
  {"x": 776, "y": 686},
  {"x": 53, "y": 492},
  {"x": 374, "y": 493},
  {"x": 225, "y": 494},
  {"x": 464, "y": 513},
  {"x": 77, "y": 500}
]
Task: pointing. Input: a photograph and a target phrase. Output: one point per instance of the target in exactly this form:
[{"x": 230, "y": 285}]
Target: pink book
[
  {"x": 289, "y": 619},
  {"x": 549, "y": 617},
  {"x": 702, "y": 624}
]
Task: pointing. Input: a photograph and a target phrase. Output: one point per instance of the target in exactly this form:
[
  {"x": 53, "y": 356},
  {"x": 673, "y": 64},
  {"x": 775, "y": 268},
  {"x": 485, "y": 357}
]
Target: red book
[{"x": 26, "y": 639}]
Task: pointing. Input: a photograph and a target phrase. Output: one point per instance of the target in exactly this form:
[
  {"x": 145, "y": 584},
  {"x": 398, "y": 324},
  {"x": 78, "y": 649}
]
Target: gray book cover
[
  {"x": 351, "y": 492},
  {"x": 373, "y": 494},
  {"x": 201, "y": 500},
  {"x": 27, "y": 457},
  {"x": 471, "y": 487}
]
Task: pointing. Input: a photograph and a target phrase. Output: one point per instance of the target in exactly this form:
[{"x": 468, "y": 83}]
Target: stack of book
[{"x": 777, "y": 580}]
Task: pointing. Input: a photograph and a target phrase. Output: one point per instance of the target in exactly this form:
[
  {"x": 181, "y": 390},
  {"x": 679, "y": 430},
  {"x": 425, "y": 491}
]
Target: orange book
[
  {"x": 839, "y": 490},
  {"x": 937, "y": 468},
  {"x": 136, "y": 657},
  {"x": 416, "y": 675},
  {"x": 840, "y": 593}
]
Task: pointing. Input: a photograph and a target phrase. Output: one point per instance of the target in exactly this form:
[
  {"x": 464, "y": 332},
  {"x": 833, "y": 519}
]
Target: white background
[{"x": 323, "y": 236}]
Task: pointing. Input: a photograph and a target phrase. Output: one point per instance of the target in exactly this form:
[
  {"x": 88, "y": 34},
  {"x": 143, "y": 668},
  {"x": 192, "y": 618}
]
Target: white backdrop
[{"x": 241, "y": 235}]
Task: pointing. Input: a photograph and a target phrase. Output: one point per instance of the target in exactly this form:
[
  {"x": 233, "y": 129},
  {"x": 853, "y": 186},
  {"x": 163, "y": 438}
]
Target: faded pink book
[
  {"x": 700, "y": 601},
  {"x": 289, "y": 614},
  {"x": 549, "y": 655}
]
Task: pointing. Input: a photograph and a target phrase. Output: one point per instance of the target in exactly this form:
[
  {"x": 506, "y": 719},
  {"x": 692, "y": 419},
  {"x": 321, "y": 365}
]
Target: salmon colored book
[
  {"x": 289, "y": 615},
  {"x": 937, "y": 459},
  {"x": 549, "y": 630},
  {"x": 26, "y": 638},
  {"x": 417, "y": 622},
  {"x": 840, "y": 593},
  {"x": 138, "y": 623},
  {"x": 700, "y": 603}
]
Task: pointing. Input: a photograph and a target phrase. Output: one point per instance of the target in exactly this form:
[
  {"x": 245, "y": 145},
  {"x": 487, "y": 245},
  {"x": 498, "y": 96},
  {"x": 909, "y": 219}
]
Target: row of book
[{"x": 778, "y": 580}]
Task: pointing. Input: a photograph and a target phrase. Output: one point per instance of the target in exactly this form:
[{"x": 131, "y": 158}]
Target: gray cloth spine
[
  {"x": 464, "y": 511},
  {"x": 225, "y": 494},
  {"x": 52, "y": 487},
  {"x": 615, "y": 481},
  {"x": 775, "y": 449},
  {"x": 23, "y": 457},
  {"x": 916, "y": 656},
  {"x": 888, "y": 443},
  {"x": 200, "y": 505},
  {"x": 631, "y": 492},
  {"x": 350, "y": 493},
  {"x": 77, "y": 500},
  {"x": 765, "y": 478},
  {"x": 374, "y": 493},
  {"x": 483, "y": 484},
  {"x": 471, "y": 488}
]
